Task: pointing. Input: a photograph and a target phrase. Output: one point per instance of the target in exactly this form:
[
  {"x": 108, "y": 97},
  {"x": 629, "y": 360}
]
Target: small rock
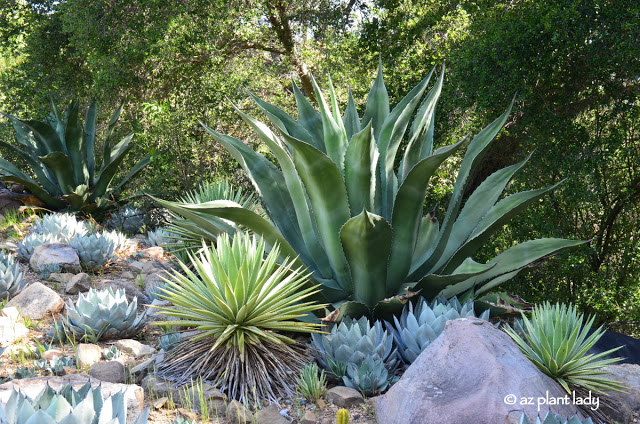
[
  {"x": 344, "y": 397},
  {"x": 134, "y": 348},
  {"x": 155, "y": 252},
  {"x": 270, "y": 415},
  {"x": 11, "y": 330},
  {"x": 238, "y": 413},
  {"x": 88, "y": 354},
  {"x": 160, "y": 402},
  {"x": 127, "y": 275},
  {"x": 60, "y": 277},
  {"x": 37, "y": 301},
  {"x": 137, "y": 266},
  {"x": 309, "y": 418},
  {"x": 79, "y": 283},
  {"x": 59, "y": 254},
  {"x": 69, "y": 370},
  {"x": 190, "y": 415},
  {"x": 157, "y": 386},
  {"x": 111, "y": 371},
  {"x": 52, "y": 353}
]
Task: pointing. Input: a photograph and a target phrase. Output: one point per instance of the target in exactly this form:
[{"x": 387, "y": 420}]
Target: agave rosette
[{"x": 11, "y": 278}]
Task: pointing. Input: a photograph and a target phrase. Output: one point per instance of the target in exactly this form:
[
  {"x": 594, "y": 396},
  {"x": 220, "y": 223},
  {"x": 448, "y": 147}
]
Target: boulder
[
  {"x": 238, "y": 413},
  {"x": 11, "y": 330},
  {"x": 79, "y": 283},
  {"x": 88, "y": 354},
  {"x": 31, "y": 387},
  {"x": 59, "y": 254},
  {"x": 270, "y": 415},
  {"x": 628, "y": 401},
  {"x": 134, "y": 348},
  {"x": 37, "y": 301},
  {"x": 111, "y": 371},
  {"x": 629, "y": 347},
  {"x": 472, "y": 372},
  {"x": 155, "y": 252},
  {"x": 344, "y": 397}
]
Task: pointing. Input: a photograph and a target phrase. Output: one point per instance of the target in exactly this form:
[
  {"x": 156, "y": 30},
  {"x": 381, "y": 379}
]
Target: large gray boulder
[
  {"x": 59, "y": 254},
  {"x": 30, "y": 387},
  {"x": 37, "y": 301},
  {"x": 472, "y": 373}
]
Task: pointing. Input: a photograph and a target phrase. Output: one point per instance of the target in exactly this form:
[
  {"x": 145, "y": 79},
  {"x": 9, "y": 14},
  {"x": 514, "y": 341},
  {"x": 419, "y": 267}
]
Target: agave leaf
[
  {"x": 361, "y": 160},
  {"x": 328, "y": 196},
  {"x": 310, "y": 119},
  {"x": 61, "y": 166},
  {"x": 45, "y": 137},
  {"x": 283, "y": 121},
  {"x": 90, "y": 139},
  {"x": 75, "y": 142},
  {"x": 334, "y": 135},
  {"x": 366, "y": 239},
  {"x": 407, "y": 213},
  {"x": 432, "y": 285},
  {"x": 107, "y": 146},
  {"x": 41, "y": 173},
  {"x": 139, "y": 166},
  {"x": 377, "y": 108},
  {"x": 14, "y": 174},
  {"x": 350, "y": 120},
  {"x": 106, "y": 175}
]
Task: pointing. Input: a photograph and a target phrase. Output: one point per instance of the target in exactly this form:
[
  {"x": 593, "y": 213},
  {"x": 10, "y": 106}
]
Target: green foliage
[
  {"x": 240, "y": 301},
  {"x": 62, "y": 155},
  {"x": 47, "y": 269},
  {"x": 311, "y": 382},
  {"x": 169, "y": 340},
  {"x": 67, "y": 405},
  {"x": 54, "y": 366},
  {"x": 356, "y": 220},
  {"x": 359, "y": 354},
  {"x": 94, "y": 250},
  {"x": 62, "y": 225},
  {"x": 112, "y": 353},
  {"x": 556, "y": 341},
  {"x": 101, "y": 315},
  {"x": 552, "y": 418},
  {"x": 20, "y": 373},
  {"x": 418, "y": 327},
  {"x": 12, "y": 279}
]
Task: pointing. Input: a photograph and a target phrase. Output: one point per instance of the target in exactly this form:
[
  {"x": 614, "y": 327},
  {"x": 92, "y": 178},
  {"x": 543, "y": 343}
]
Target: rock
[
  {"x": 52, "y": 353},
  {"x": 238, "y": 413},
  {"x": 157, "y": 386},
  {"x": 61, "y": 277},
  {"x": 88, "y": 354},
  {"x": 472, "y": 372},
  {"x": 155, "y": 252},
  {"x": 59, "y": 254},
  {"x": 625, "y": 403},
  {"x": 160, "y": 402},
  {"x": 344, "y": 397},
  {"x": 134, "y": 348},
  {"x": 31, "y": 387},
  {"x": 138, "y": 267},
  {"x": 309, "y": 418},
  {"x": 11, "y": 330},
  {"x": 629, "y": 347},
  {"x": 79, "y": 283},
  {"x": 127, "y": 275},
  {"x": 130, "y": 289},
  {"x": 37, "y": 301},
  {"x": 111, "y": 371},
  {"x": 270, "y": 415}
]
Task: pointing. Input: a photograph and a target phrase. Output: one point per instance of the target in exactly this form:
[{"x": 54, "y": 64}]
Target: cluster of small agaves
[
  {"x": 95, "y": 250},
  {"x": 11, "y": 278},
  {"x": 365, "y": 356},
  {"x": 100, "y": 314},
  {"x": 67, "y": 406}
]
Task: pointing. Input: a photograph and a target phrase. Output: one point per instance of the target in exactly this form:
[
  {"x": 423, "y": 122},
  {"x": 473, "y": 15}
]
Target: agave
[
  {"x": 552, "y": 418},
  {"x": 11, "y": 278},
  {"x": 346, "y": 348},
  {"x": 94, "y": 250},
  {"x": 418, "y": 327},
  {"x": 557, "y": 342},
  {"x": 61, "y": 154},
  {"x": 159, "y": 237},
  {"x": 240, "y": 301},
  {"x": 63, "y": 225},
  {"x": 128, "y": 219},
  {"x": 67, "y": 406},
  {"x": 54, "y": 366},
  {"x": 118, "y": 239},
  {"x": 336, "y": 199},
  {"x": 101, "y": 314},
  {"x": 32, "y": 240},
  {"x": 169, "y": 340}
]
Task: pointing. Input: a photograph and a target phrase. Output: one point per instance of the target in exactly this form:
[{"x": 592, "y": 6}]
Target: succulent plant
[
  {"x": 11, "y": 278},
  {"x": 169, "y": 340},
  {"x": 47, "y": 269},
  {"x": 57, "y": 331},
  {"x": 180, "y": 419},
  {"x": 54, "y": 366},
  {"x": 32, "y": 240},
  {"x": 342, "y": 196},
  {"x": 118, "y": 239},
  {"x": 101, "y": 314},
  {"x": 111, "y": 353},
  {"x": 311, "y": 382},
  {"x": 62, "y": 156},
  {"x": 369, "y": 377},
  {"x": 342, "y": 416},
  {"x": 419, "y": 326},
  {"x": 67, "y": 406},
  {"x": 349, "y": 344},
  {"x": 19, "y": 374},
  {"x": 63, "y": 225},
  {"x": 128, "y": 219},
  {"x": 94, "y": 250},
  {"x": 159, "y": 237},
  {"x": 552, "y": 418}
]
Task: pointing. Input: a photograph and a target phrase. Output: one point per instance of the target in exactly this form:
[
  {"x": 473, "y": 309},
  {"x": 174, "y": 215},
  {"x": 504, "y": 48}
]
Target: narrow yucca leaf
[
  {"x": 366, "y": 239},
  {"x": 407, "y": 213},
  {"x": 361, "y": 161}
]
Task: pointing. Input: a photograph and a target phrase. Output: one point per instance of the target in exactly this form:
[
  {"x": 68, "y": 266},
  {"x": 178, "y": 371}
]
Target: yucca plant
[
  {"x": 556, "y": 341},
  {"x": 61, "y": 155},
  {"x": 67, "y": 406},
  {"x": 336, "y": 199},
  {"x": 240, "y": 301}
]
